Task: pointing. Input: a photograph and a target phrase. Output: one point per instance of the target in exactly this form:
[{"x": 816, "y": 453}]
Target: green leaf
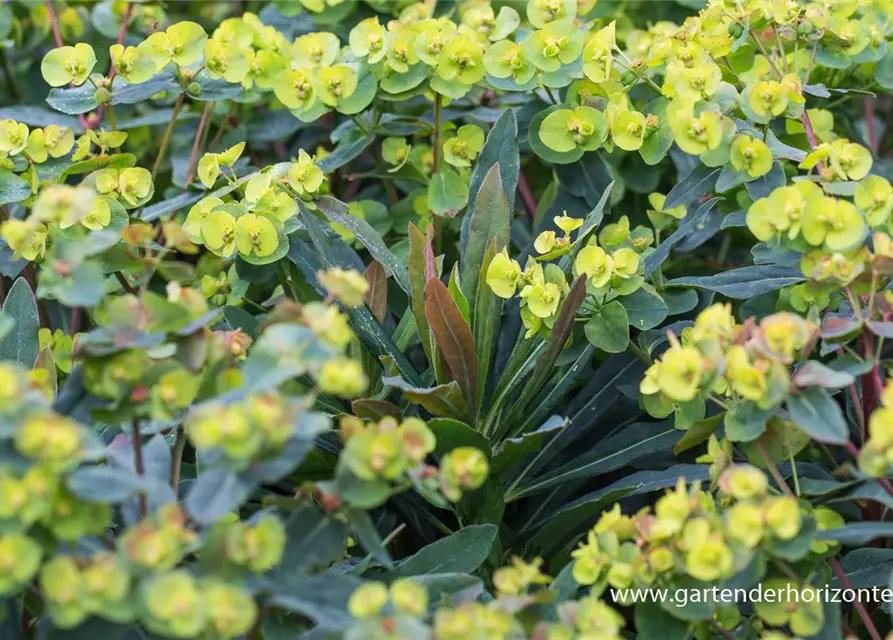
[
  {"x": 12, "y": 187},
  {"x": 39, "y": 116},
  {"x": 608, "y": 329},
  {"x": 687, "y": 226},
  {"x": 322, "y": 598},
  {"x": 500, "y": 147},
  {"x": 103, "y": 484},
  {"x": 633, "y": 442},
  {"x": 553, "y": 529},
  {"x": 73, "y": 101},
  {"x": 453, "y": 337},
  {"x": 349, "y": 148},
  {"x": 455, "y": 289},
  {"x": 418, "y": 277},
  {"x": 214, "y": 494},
  {"x": 857, "y": 534},
  {"x": 486, "y": 320},
  {"x": 692, "y": 187},
  {"x": 561, "y": 331},
  {"x": 883, "y": 71},
  {"x": 553, "y": 395},
  {"x": 797, "y": 547},
  {"x": 336, "y": 211},
  {"x": 166, "y": 207},
  {"x": 21, "y": 344},
  {"x": 653, "y": 622},
  {"x": 743, "y": 283},
  {"x": 369, "y": 537},
  {"x": 362, "y": 96},
  {"x": 136, "y": 93},
  {"x": 451, "y": 434},
  {"x": 815, "y": 374},
  {"x": 745, "y": 422},
  {"x": 447, "y": 192},
  {"x": 444, "y": 400},
  {"x": 816, "y": 412},
  {"x": 214, "y": 90},
  {"x": 511, "y": 452},
  {"x": 461, "y": 552},
  {"x": 315, "y": 540},
  {"x": 489, "y": 223},
  {"x": 866, "y": 568},
  {"x": 697, "y": 433},
  {"x": 645, "y": 309}
]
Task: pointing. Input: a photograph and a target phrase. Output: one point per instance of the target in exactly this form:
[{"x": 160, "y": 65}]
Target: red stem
[
  {"x": 125, "y": 22},
  {"x": 860, "y": 608},
  {"x": 870, "y": 124},
  {"x": 527, "y": 196}
]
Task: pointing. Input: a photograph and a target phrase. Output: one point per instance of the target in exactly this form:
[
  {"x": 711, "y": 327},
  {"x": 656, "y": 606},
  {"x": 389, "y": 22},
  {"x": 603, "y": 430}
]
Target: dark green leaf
[
  {"x": 349, "y": 148},
  {"x": 214, "y": 494},
  {"x": 816, "y": 412},
  {"x": 635, "y": 441},
  {"x": 73, "y": 101},
  {"x": 500, "y": 147},
  {"x": 653, "y": 622},
  {"x": 12, "y": 187},
  {"x": 489, "y": 222},
  {"x": 866, "y": 568},
  {"x": 103, "y": 484},
  {"x": 368, "y": 536},
  {"x": 451, "y": 434},
  {"x": 322, "y": 598},
  {"x": 858, "y": 534},
  {"x": 645, "y": 309},
  {"x": 337, "y": 212},
  {"x": 444, "y": 400},
  {"x": 21, "y": 344},
  {"x": 694, "y": 186},
  {"x": 461, "y": 552},
  {"x": 608, "y": 329},
  {"x": 688, "y": 224},
  {"x": 743, "y": 283}
]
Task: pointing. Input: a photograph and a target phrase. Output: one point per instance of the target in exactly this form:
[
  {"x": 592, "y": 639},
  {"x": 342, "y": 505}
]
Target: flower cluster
[
  {"x": 390, "y": 450},
  {"x": 717, "y": 357},
  {"x": 688, "y": 533}
]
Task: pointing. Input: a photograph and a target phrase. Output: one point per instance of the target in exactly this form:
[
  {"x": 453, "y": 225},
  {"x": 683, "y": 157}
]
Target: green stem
[
  {"x": 112, "y": 121},
  {"x": 438, "y": 108},
  {"x": 639, "y": 353},
  {"x": 177, "y": 458},
  {"x": 165, "y": 141}
]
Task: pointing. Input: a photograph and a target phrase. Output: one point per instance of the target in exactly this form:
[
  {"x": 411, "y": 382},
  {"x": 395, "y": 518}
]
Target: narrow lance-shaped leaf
[
  {"x": 561, "y": 331},
  {"x": 500, "y": 147},
  {"x": 377, "y": 296},
  {"x": 444, "y": 400},
  {"x": 453, "y": 337},
  {"x": 21, "y": 344},
  {"x": 489, "y": 222},
  {"x": 336, "y": 211},
  {"x": 685, "y": 227},
  {"x": 486, "y": 321},
  {"x": 417, "y": 279}
]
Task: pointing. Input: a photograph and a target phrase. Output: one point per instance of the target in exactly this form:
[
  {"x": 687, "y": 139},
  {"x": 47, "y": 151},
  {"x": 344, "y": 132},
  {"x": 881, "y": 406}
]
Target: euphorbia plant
[{"x": 393, "y": 319}]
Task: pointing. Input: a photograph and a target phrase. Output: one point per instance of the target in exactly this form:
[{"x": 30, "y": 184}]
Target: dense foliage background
[{"x": 388, "y": 319}]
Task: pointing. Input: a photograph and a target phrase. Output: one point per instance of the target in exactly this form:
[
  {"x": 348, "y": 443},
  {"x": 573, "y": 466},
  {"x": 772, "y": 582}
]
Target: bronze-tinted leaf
[{"x": 453, "y": 337}]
